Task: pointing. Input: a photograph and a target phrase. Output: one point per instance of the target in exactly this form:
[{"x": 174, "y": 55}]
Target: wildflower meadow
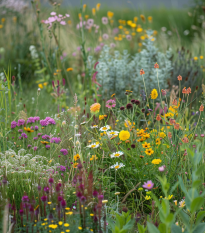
[{"x": 101, "y": 118}]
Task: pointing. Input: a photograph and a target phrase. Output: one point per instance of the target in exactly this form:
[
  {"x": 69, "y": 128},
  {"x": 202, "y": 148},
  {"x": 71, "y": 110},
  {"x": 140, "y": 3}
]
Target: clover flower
[
  {"x": 24, "y": 135},
  {"x": 43, "y": 123},
  {"x": 55, "y": 140}
]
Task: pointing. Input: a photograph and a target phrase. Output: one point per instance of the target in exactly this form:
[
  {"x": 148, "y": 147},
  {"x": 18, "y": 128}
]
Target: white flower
[
  {"x": 116, "y": 154},
  {"x": 112, "y": 133},
  {"x": 78, "y": 135},
  {"x": 105, "y": 128},
  {"x": 182, "y": 203},
  {"x": 94, "y": 126},
  {"x": 93, "y": 145},
  {"x": 117, "y": 166}
]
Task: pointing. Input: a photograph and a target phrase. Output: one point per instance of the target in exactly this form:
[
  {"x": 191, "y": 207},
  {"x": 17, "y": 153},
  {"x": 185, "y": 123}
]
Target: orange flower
[
  {"x": 69, "y": 69},
  {"x": 142, "y": 72},
  {"x": 185, "y": 140},
  {"x": 169, "y": 135},
  {"x": 179, "y": 78},
  {"x": 172, "y": 121},
  {"x": 174, "y": 102},
  {"x": 158, "y": 118},
  {"x": 176, "y": 126},
  {"x": 188, "y": 91},
  {"x": 95, "y": 108},
  {"x": 184, "y": 91},
  {"x": 156, "y": 66},
  {"x": 201, "y": 109}
]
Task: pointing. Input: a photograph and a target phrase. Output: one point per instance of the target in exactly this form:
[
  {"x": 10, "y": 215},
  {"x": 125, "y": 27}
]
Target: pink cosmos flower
[
  {"x": 148, "y": 185},
  {"x": 110, "y": 103},
  {"x": 161, "y": 169},
  {"x": 63, "y": 23},
  {"x": 53, "y": 13}
]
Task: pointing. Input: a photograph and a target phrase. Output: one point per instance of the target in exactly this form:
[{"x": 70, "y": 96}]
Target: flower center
[
  {"x": 149, "y": 185},
  {"x": 93, "y": 146},
  {"x": 104, "y": 128},
  {"x": 117, "y": 154},
  {"x": 116, "y": 167}
]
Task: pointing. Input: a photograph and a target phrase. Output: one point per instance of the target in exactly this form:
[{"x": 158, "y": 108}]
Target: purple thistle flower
[
  {"x": 60, "y": 198},
  {"x": 79, "y": 194},
  {"x": 20, "y": 130},
  {"x": 29, "y": 146},
  {"x": 37, "y": 118},
  {"x": 44, "y": 198},
  {"x": 148, "y": 185},
  {"x": 39, "y": 134},
  {"x": 20, "y": 138},
  {"x": 51, "y": 180},
  {"x": 39, "y": 188},
  {"x": 36, "y": 128},
  {"x": 45, "y": 137},
  {"x": 21, "y": 122},
  {"x": 100, "y": 197},
  {"x": 25, "y": 199},
  {"x": 63, "y": 203},
  {"x": 46, "y": 189},
  {"x": 51, "y": 122},
  {"x": 30, "y": 120},
  {"x": 24, "y": 135},
  {"x": 13, "y": 124},
  {"x": 64, "y": 151},
  {"x": 35, "y": 138},
  {"x": 43, "y": 122},
  {"x": 48, "y": 147},
  {"x": 95, "y": 193},
  {"x": 55, "y": 140},
  {"x": 62, "y": 168},
  {"x": 35, "y": 148},
  {"x": 21, "y": 212},
  {"x": 83, "y": 198}
]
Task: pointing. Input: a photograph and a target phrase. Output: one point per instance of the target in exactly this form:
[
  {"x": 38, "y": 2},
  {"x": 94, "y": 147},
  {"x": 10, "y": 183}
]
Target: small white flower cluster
[{"x": 33, "y": 51}]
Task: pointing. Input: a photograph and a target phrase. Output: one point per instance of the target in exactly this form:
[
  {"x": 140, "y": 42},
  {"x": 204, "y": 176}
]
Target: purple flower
[
  {"x": 62, "y": 168},
  {"x": 21, "y": 212},
  {"x": 128, "y": 37},
  {"x": 35, "y": 138},
  {"x": 43, "y": 122},
  {"x": 29, "y": 146},
  {"x": 90, "y": 22},
  {"x": 20, "y": 138},
  {"x": 51, "y": 122},
  {"x": 63, "y": 203},
  {"x": 31, "y": 127},
  {"x": 48, "y": 147},
  {"x": 60, "y": 198},
  {"x": 97, "y": 49},
  {"x": 110, "y": 103},
  {"x": 24, "y": 135},
  {"x": 51, "y": 180},
  {"x": 20, "y": 130},
  {"x": 35, "y": 148},
  {"x": 39, "y": 188},
  {"x": 45, "y": 137},
  {"x": 46, "y": 189},
  {"x": 64, "y": 151},
  {"x": 161, "y": 169},
  {"x": 88, "y": 49},
  {"x": 31, "y": 120},
  {"x": 25, "y": 199},
  {"x": 36, "y": 128},
  {"x": 95, "y": 193},
  {"x": 13, "y": 124},
  {"x": 112, "y": 45},
  {"x": 39, "y": 134},
  {"x": 148, "y": 185},
  {"x": 115, "y": 31},
  {"x": 21, "y": 122},
  {"x": 100, "y": 197},
  {"x": 37, "y": 118},
  {"x": 105, "y": 36},
  {"x": 104, "y": 20},
  {"x": 74, "y": 54},
  {"x": 44, "y": 198},
  {"x": 55, "y": 140},
  {"x": 83, "y": 199}
]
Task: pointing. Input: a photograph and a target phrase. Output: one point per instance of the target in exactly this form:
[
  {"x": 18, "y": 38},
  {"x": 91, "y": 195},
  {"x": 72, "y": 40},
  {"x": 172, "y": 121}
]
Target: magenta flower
[
  {"x": 64, "y": 151},
  {"x": 13, "y": 124},
  {"x": 51, "y": 121},
  {"x": 110, "y": 103},
  {"x": 55, "y": 140},
  {"x": 21, "y": 122},
  {"x": 148, "y": 185},
  {"x": 24, "y": 135},
  {"x": 43, "y": 122},
  {"x": 161, "y": 169},
  {"x": 31, "y": 120}
]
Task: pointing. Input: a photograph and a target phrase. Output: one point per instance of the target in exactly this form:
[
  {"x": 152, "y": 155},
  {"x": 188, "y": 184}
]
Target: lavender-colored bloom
[
  {"x": 37, "y": 118},
  {"x": 100, "y": 197},
  {"x": 31, "y": 120},
  {"x": 112, "y": 45},
  {"x": 74, "y": 54},
  {"x": 161, "y": 169},
  {"x": 48, "y": 118},
  {"x": 35, "y": 148},
  {"x": 36, "y": 128},
  {"x": 24, "y": 135},
  {"x": 29, "y": 146},
  {"x": 25, "y": 199},
  {"x": 97, "y": 49},
  {"x": 20, "y": 130},
  {"x": 51, "y": 122},
  {"x": 115, "y": 31},
  {"x": 62, "y": 168},
  {"x": 46, "y": 189},
  {"x": 35, "y": 138},
  {"x": 31, "y": 128},
  {"x": 13, "y": 124},
  {"x": 43, "y": 122},
  {"x": 102, "y": 44},
  {"x": 88, "y": 49},
  {"x": 20, "y": 138},
  {"x": 104, "y": 20},
  {"x": 39, "y": 134},
  {"x": 45, "y": 137},
  {"x": 105, "y": 36},
  {"x": 39, "y": 188},
  {"x": 48, "y": 147},
  {"x": 21, "y": 122},
  {"x": 64, "y": 151},
  {"x": 55, "y": 140},
  {"x": 44, "y": 198},
  {"x": 90, "y": 22},
  {"x": 128, "y": 37},
  {"x": 148, "y": 185}
]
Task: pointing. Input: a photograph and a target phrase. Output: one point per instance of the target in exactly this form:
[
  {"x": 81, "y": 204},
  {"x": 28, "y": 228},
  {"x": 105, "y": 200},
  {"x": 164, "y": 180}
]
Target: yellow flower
[
  {"x": 101, "y": 117},
  {"x": 76, "y": 157},
  {"x": 146, "y": 145},
  {"x": 98, "y": 6},
  {"x": 3, "y": 20},
  {"x": 140, "y": 189},
  {"x": 40, "y": 86},
  {"x": 91, "y": 215},
  {"x": 156, "y": 161},
  {"x": 69, "y": 69},
  {"x": 124, "y": 135},
  {"x": 48, "y": 204},
  {"x": 104, "y": 201},
  {"x": 158, "y": 141},
  {"x": 149, "y": 151},
  {"x": 67, "y": 230},
  {"x": 135, "y": 19},
  {"x": 93, "y": 11},
  {"x": 142, "y": 37},
  {"x": 84, "y": 6},
  {"x": 201, "y": 57},
  {"x": 95, "y": 108},
  {"x": 139, "y": 30},
  {"x": 80, "y": 228},
  {"x": 195, "y": 58},
  {"x": 45, "y": 84},
  {"x": 14, "y": 19},
  {"x": 66, "y": 225},
  {"x": 142, "y": 18},
  {"x": 149, "y": 19},
  {"x": 79, "y": 15},
  {"x": 162, "y": 135},
  {"x": 154, "y": 94},
  {"x": 147, "y": 198},
  {"x": 60, "y": 223},
  {"x": 110, "y": 14}
]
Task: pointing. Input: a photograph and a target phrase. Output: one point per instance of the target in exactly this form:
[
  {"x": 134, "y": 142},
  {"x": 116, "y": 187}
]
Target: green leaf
[
  {"x": 141, "y": 228},
  {"x": 111, "y": 223},
  {"x": 176, "y": 229},
  {"x": 170, "y": 218},
  {"x": 182, "y": 185},
  {"x": 196, "y": 204},
  {"x": 40, "y": 71},
  {"x": 200, "y": 169},
  {"x": 200, "y": 228},
  {"x": 162, "y": 227},
  {"x": 185, "y": 218},
  {"x": 196, "y": 183},
  {"x": 200, "y": 216},
  {"x": 152, "y": 228},
  {"x": 129, "y": 225},
  {"x": 174, "y": 187}
]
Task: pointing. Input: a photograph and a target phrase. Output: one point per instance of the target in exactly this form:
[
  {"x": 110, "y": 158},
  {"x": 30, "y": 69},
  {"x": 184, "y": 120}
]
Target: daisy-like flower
[
  {"x": 158, "y": 141},
  {"x": 94, "y": 126},
  {"x": 116, "y": 154},
  {"x": 112, "y": 133},
  {"x": 146, "y": 145},
  {"x": 105, "y": 128},
  {"x": 93, "y": 145},
  {"x": 149, "y": 151},
  {"x": 148, "y": 185},
  {"x": 117, "y": 166}
]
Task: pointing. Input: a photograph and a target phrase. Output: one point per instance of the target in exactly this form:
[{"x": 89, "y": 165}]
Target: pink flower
[
  {"x": 110, "y": 103},
  {"x": 161, "y": 169},
  {"x": 53, "y": 13},
  {"x": 149, "y": 185},
  {"x": 104, "y": 20},
  {"x": 63, "y": 22},
  {"x": 67, "y": 15}
]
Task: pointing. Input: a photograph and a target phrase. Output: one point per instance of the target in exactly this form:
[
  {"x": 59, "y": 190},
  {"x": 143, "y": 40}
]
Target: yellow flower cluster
[{"x": 156, "y": 161}]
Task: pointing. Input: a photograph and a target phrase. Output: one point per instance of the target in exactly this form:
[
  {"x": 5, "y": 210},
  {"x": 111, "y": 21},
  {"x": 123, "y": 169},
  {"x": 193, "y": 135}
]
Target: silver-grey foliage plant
[{"x": 119, "y": 72}]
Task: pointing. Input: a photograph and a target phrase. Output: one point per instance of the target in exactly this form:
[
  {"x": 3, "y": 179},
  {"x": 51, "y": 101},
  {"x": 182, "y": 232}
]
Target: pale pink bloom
[
  {"x": 148, "y": 185},
  {"x": 63, "y": 22},
  {"x": 110, "y": 103},
  {"x": 104, "y": 20},
  {"x": 67, "y": 15},
  {"x": 53, "y": 13},
  {"x": 105, "y": 36},
  {"x": 161, "y": 169},
  {"x": 60, "y": 16}
]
